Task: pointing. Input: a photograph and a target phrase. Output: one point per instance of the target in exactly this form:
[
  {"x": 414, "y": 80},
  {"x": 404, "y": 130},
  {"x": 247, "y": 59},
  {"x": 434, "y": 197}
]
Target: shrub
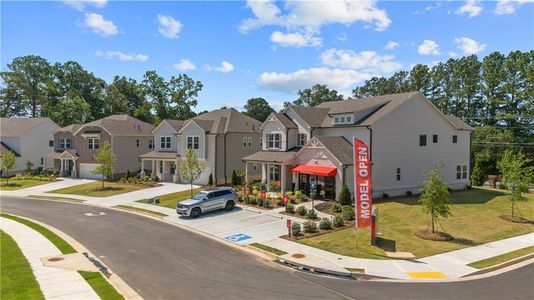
[
  {"x": 325, "y": 224},
  {"x": 408, "y": 193},
  {"x": 310, "y": 227},
  {"x": 128, "y": 175},
  {"x": 293, "y": 199},
  {"x": 385, "y": 195},
  {"x": 298, "y": 194},
  {"x": 279, "y": 202},
  {"x": 295, "y": 229},
  {"x": 339, "y": 221},
  {"x": 311, "y": 214},
  {"x": 273, "y": 186},
  {"x": 348, "y": 213},
  {"x": 344, "y": 196},
  {"x": 260, "y": 202},
  {"x": 253, "y": 200},
  {"x": 502, "y": 186},
  {"x": 210, "y": 179},
  {"x": 523, "y": 188},
  {"x": 156, "y": 178},
  {"x": 290, "y": 209},
  {"x": 336, "y": 207},
  {"x": 301, "y": 210}
]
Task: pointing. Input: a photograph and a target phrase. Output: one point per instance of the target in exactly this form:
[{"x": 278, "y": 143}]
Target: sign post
[
  {"x": 362, "y": 184},
  {"x": 374, "y": 223},
  {"x": 285, "y": 200},
  {"x": 288, "y": 224}
]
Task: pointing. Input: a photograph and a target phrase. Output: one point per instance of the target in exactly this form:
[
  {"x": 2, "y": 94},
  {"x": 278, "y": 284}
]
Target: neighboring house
[
  {"x": 76, "y": 146},
  {"x": 221, "y": 138},
  {"x": 30, "y": 139},
  {"x": 163, "y": 160},
  {"x": 407, "y": 136}
]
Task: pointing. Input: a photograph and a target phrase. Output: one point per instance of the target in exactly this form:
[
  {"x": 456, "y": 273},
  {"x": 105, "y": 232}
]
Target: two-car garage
[{"x": 85, "y": 171}]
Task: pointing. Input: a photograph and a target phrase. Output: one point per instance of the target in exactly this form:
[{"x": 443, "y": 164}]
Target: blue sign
[
  {"x": 312, "y": 183},
  {"x": 237, "y": 237}
]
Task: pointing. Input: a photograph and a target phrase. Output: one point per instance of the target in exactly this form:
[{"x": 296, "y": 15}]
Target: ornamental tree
[
  {"x": 435, "y": 197},
  {"x": 515, "y": 173}
]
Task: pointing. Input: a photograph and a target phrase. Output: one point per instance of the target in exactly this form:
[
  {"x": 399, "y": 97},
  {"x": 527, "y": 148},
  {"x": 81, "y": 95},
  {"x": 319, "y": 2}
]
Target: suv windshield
[{"x": 199, "y": 196}]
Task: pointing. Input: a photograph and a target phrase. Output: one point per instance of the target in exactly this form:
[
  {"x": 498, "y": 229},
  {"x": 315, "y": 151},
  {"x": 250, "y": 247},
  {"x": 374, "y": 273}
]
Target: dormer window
[
  {"x": 301, "y": 139},
  {"x": 274, "y": 140},
  {"x": 165, "y": 142},
  {"x": 340, "y": 120}
]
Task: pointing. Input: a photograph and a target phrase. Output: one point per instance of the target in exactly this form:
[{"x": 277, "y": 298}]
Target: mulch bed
[
  {"x": 515, "y": 219},
  {"x": 436, "y": 236}
]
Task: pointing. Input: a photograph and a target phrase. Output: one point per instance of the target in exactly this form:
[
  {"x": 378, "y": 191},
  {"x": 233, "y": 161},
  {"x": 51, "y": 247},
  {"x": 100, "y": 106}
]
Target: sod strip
[
  {"x": 492, "y": 261},
  {"x": 16, "y": 277},
  {"x": 101, "y": 286}
]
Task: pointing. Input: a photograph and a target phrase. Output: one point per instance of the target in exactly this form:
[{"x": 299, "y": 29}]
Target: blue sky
[{"x": 240, "y": 50}]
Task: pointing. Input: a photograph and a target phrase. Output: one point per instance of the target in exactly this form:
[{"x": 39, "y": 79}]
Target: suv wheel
[
  {"x": 195, "y": 212},
  {"x": 229, "y": 205}
]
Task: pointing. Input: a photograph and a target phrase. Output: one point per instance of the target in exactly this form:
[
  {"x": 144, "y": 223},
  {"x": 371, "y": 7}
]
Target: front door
[
  {"x": 330, "y": 187},
  {"x": 70, "y": 166}
]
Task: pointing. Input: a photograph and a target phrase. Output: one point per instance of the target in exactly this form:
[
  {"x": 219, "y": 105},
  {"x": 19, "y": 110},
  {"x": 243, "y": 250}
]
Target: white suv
[{"x": 207, "y": 200}]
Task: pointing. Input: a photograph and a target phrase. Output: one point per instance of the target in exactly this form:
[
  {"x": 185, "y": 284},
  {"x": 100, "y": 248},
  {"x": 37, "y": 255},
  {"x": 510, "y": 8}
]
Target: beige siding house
[
  {"x": 221, "y": 138},
  {"x": 406, "y": 133},
  {"x": 76, "y": 146},
  {"x": 30, "y": 139}
]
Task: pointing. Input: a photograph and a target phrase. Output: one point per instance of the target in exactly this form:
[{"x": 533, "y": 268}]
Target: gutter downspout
[
  {"x": 287, "y": 138},
  {"x": 215, "y": 179}
]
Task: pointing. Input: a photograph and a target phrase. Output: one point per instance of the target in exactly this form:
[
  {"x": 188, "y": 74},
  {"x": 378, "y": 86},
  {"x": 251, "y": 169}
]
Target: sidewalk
[{"x": 54, "y": 283}]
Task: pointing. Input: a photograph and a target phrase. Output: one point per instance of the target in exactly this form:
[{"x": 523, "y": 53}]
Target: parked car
[{"x": 207, "y": 200}]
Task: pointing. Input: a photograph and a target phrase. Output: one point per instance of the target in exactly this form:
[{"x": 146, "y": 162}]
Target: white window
[
  {"x": 165, "y": 142},
  {"x": 301, "y": 139},
  {"x": 94, "y": 143},
  {"x": 343, "y": 120},
  {"x": 398, "y": 174},
  {"x": 274, "y": 140},
  {"x": 274, "y": 172},
  {"x": 249, "y": 139},
  {"x": 64, "y": 143},
  {"x": 461, "y": 172},
  {"x": 255, "y": 166},
  {"x": 349, "y": 119},
  {"x": 336, "y": 120},
  {"x": 245, "y": 142},
  {"x": 193, "y": 142},
  {"x": 137, "y": 143},
  {"x": 151, "y": 144}
]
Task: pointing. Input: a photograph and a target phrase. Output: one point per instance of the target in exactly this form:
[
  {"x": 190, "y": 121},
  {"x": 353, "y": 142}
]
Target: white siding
[
  {"x": 34, "y": 145},
  {"x": 396, "y": 145},
  {"x": 165, "y": 130},
  {"x": 274, "y": 127},
  {"x": 192, "y": 129}
]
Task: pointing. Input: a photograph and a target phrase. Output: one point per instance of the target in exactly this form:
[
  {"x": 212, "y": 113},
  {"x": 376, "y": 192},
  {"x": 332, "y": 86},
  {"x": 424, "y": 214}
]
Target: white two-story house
[{"x": 407, "y": 136}]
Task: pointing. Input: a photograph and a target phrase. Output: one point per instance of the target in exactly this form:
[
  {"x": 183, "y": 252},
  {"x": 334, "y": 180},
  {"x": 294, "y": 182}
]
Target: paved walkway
[{"x": 55, "y": 283}]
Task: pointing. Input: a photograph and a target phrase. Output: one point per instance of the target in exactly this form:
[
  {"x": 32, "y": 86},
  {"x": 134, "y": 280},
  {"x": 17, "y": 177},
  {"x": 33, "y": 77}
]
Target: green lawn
[
  {"x": 94, "y": 189},
  {"x": 269, "y": 249},
  {"x": 16, "y": 276},
  {"x": 20, "y": 184},
  {"x": 170, "y": 200},
  {"x": 492, "y": 261},
  {"x": 474, "y": 221},
  {"x": 101, "y": 286},
  {"x": 60, "y": 243}
]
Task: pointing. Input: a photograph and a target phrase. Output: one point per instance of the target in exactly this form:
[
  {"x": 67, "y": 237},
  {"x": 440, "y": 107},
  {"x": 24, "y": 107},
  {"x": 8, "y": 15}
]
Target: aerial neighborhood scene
[{"x": 261, "y": 149}]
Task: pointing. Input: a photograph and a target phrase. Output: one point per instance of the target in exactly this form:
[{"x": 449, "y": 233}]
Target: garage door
[
  {"x": 202, "y": 180},
  {"x": 85, "y": 171}
]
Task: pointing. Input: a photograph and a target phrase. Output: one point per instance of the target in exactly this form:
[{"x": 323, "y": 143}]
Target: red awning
[{"x": 315, "y": 170}]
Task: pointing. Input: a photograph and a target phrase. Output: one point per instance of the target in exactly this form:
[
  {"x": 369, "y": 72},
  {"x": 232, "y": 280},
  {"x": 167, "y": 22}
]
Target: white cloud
[
  {"x": 428, "y": 8},
  {"x": 342, "y": 37},
  {"x": 81, "y": 4},
  {"x": 291, "y": 82},
  {"x": 122, "y": 56},
  {"x": 311, "y": 15},
  {"x": 391, "y": 45},
  {"x": 185, "y": 65},
  {"x": 469, "y": 46},
  {"x": 169, "y": 27},
  {"x": 453, "y": 54},
  {"x": 99, "y": 25},
  {"x": 295, "y": 39},
  {"x": 225, "y": 67},
  {"x": 366, "y": 61},
  {"x": 508, "y": 7},
  {"x": 472, "y": 8},
  {"x": 428, "y": 47}
]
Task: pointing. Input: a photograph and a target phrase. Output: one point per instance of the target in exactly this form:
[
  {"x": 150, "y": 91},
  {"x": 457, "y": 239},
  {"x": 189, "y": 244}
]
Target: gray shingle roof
[
  {"x": 313, "y": 116},
  {"x": 286, "y": 122},
  {"x": 5, "y": 148},
  {"x": 271, "y": 156},
  {"x": 70, "y": 128},
  {"x": 123, "y": 125},
  {"x": 227, "y": 120},
  {"x": 16, "y": 127},
  {"x": 175, "y": 124},
  {"x": 459, "y": 123},
  {"x": 339, "y": 147},
  {"x": 157, "y": 154}
]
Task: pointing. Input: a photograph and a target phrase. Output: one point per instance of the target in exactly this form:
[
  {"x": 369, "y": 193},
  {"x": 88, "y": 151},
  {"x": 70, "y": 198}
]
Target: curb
[
  {"x": 122, "y": 287},
  {"x": 500, "y": 266}
]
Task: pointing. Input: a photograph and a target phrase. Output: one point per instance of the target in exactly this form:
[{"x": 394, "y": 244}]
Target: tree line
[{"x": 67, "y": 93}]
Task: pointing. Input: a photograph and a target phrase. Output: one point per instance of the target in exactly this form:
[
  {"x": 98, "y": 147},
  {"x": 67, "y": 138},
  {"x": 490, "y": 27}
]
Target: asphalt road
[{"x": 161, "y": 261}]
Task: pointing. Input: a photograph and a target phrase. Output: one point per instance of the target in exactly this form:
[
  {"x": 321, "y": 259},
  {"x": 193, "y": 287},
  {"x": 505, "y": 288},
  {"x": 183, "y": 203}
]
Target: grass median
[
  {"x": 16, "y": 277},
  {"x": 15, "y": 184},
  {"x": 170, "y": 200},
  {"x": 474, "y": 221},
  {"x": 94, "y": 189},
  {"x": 493, "y": 261},
  {"x": 101, "y": 286}
]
